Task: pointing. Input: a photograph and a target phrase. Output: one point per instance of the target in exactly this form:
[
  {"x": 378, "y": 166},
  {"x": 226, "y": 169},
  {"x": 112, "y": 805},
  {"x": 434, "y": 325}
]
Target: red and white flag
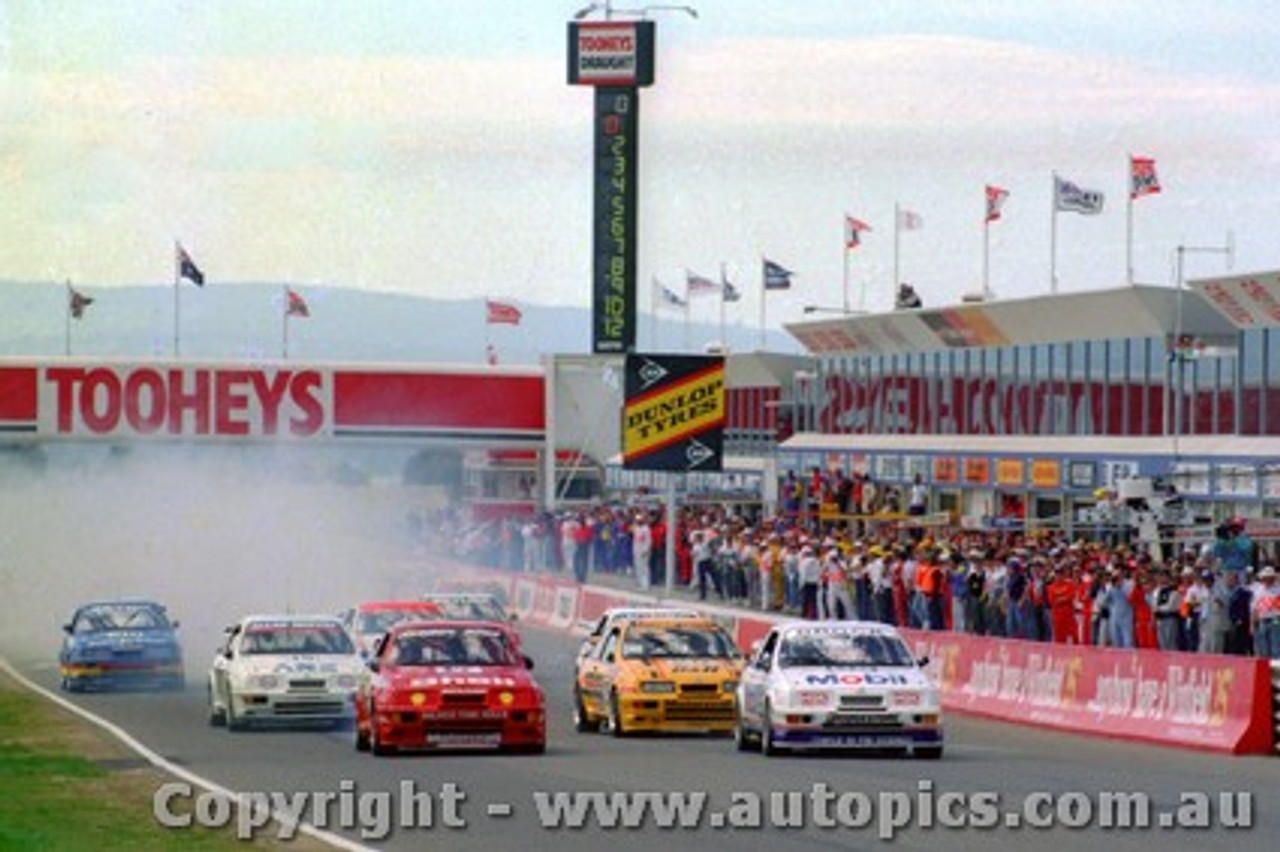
[
  {"x": 909, "y": 221},
  {"x": 1142, "y": 177},
  {"x": 501, "y": 313},
  {"x": 295, "y": 305},
  {"x": 699, "y": 285},
  {"x": 853, "y": 229},
  {"x": 995, "y": 201}
]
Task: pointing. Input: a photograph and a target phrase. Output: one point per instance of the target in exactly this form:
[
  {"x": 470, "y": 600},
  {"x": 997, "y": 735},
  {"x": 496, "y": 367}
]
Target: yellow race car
[{"x": 677, "y": 674}]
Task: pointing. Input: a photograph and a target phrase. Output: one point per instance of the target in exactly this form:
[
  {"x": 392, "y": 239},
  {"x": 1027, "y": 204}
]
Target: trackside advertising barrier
[
  {"x": 1213, "y": 703},
  {"x": 1216, "y": 703}
]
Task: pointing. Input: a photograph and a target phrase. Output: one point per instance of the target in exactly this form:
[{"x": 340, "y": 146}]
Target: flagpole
[
  {"x": 653, "y": 313},
  {"x": 897, "y": 275},
  {"x": 986, "y": 259},
  {"x": 177, "y": 277},
  {"x": 67, "y": 319},
  {"x": 845, "y": 302},
  {"x": 723, "y": 287},
  {"x": 1053, "y": 236},
  {"x": 284, "y": 323},
  {"x": 764, "y": 292},
  {"x": 486, "y": 328},
  {"x": 1128, "y": 228},
  {"x": 688, "y": 312}
]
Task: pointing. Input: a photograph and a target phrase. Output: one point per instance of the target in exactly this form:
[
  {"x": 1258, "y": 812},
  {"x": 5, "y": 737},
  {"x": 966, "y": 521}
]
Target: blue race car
[{"x": 121, "y": 643}]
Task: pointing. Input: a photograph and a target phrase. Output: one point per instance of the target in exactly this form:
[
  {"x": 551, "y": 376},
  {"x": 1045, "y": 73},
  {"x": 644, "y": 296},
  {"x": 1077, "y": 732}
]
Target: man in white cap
[{"x": 1266, "y": 615}]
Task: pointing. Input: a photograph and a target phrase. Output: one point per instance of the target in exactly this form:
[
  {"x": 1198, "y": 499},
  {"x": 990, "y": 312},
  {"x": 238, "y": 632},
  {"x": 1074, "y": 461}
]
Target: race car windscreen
[
  {"x": 295, "y": 638},
  {"x": 645, "y": 642},
  {"x": 472, "y": 609},
  {"x": 380, "y": 621},
  {"x": 843, "y": 650},
  {"x": 451, "y": 647},
  {"x": 121, "y": 616}
]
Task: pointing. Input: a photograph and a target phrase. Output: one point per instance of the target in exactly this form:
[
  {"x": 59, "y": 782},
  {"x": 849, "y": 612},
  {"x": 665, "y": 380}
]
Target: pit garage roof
[{"x": 1138, "y": 311}]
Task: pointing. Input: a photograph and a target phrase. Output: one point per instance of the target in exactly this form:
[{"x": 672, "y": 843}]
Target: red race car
[{"x": 450, "y": 685}]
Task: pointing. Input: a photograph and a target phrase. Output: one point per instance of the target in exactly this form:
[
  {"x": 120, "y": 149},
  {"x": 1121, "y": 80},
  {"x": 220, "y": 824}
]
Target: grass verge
[{"x": 66, "y": 786}]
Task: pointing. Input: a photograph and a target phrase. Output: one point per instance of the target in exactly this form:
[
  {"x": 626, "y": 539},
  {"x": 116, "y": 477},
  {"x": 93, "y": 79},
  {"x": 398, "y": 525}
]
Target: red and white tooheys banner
[
  {"x": 192, "y": 401},
  {"x": 1207, "y": 702}
]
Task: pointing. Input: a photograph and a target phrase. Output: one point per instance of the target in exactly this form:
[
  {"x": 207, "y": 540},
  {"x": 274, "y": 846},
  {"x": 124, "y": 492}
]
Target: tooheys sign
[
  {"x": 187, "y": 401},
  {"x": 674, "y": 414}
]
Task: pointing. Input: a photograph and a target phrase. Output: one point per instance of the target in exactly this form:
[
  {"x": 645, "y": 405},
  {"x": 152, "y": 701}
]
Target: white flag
[{"x": 1071, "y": 198}]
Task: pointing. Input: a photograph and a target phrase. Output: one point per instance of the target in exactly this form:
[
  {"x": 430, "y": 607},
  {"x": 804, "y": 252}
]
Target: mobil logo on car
[{"x": 856, "y": 679}]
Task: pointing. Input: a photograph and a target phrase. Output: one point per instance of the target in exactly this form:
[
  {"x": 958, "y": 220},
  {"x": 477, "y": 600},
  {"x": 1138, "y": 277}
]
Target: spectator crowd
[{"x": 1211, "y": 597}]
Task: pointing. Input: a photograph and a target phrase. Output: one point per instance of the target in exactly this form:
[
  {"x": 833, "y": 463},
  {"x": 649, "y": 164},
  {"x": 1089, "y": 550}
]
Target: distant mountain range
[{"x": 245, "y": 321}]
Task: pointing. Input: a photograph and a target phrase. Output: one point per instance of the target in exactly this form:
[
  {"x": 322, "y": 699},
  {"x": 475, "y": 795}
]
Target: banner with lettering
[{"x": 1202, "y": 701}]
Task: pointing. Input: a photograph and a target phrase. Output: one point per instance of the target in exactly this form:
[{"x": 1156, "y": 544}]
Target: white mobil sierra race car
[
  {"x": 837, "y": 685},
  {"x": 284, "y": 668}
]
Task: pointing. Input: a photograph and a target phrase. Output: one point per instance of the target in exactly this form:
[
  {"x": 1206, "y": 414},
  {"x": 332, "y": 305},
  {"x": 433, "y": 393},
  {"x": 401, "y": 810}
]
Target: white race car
[
  {"x": 837, "y": 685},
  {"x": 284, "y": 668},
  {"x": 617, "y": 614},
  {"x": 469, "y": 606}
]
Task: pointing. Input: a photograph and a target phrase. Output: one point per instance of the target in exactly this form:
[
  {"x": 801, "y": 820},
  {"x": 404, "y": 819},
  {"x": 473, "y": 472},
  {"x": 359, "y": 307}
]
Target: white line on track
[{"x": 334, "y": 840}]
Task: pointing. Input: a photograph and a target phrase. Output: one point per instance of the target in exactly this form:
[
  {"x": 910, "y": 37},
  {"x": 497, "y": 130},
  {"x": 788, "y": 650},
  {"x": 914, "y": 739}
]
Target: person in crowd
[
  {"x": 1166, "y": 605},
  {"x": 641, "y": 549},
  {"x": 810, "y": 571},
  {"x": 1266, "y": 615},
  {"x": 1193, "y": 596},
  {"x": 1215, "y": 625},
  {"x": 1120, "y": 607},
  {"x": 1061, "y": 595},
  {"x": 1239, "y": 640}
]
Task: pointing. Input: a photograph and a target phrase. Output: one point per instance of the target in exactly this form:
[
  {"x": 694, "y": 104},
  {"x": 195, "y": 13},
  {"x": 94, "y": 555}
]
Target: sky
[{"x": 434, "y": 147}]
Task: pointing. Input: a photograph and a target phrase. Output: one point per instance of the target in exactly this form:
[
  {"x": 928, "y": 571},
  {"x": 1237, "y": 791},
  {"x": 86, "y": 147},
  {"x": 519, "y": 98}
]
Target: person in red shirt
[
  {"x": 1061, "y": 594},
  {"x": 1144, "y": 621}
]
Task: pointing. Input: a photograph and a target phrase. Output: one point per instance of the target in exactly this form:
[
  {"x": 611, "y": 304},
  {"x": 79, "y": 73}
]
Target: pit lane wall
[{"x": 1213, "y": 703}]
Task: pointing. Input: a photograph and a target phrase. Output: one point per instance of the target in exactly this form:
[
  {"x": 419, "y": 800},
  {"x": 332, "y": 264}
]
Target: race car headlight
[
  {"x": 658, "y": 686},
  {"x": 264, "y": 681},
  {"x": 729, "y": 686},
  {"x": 812, "y": 698},
  {"x": 345, "y": 681}
]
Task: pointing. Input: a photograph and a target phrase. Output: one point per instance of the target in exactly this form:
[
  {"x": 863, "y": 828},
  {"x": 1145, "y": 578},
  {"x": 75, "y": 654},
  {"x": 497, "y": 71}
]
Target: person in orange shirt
[{"x": 1061, "y": 594}]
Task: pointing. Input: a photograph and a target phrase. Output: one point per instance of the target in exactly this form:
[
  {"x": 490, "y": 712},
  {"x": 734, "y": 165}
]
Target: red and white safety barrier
[{"x": 1215, "y": 703}]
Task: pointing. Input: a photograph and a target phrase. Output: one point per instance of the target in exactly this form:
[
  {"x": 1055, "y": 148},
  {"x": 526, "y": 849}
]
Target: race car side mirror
[
  {"x": 227, "y": 653},
  {"x": 513, "y": 617},
  {"x": 528, "y": 662},
  {"x": 922, "y": 662},
  {"x": 374, "y": 665},
  {"x": 176, "y": 624},
  {"x": 66, "y": 628}
]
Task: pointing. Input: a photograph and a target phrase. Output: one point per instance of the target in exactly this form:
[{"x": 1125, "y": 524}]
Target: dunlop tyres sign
[{"x": 673, "y": 417}]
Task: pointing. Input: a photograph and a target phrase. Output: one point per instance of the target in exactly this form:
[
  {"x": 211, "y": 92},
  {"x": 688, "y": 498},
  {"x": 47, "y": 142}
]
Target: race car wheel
[
  {"x": 71, "y": 684},
  {"x": 217, "y": 716},
  {"x": 234, "y": 722},
  {"x": 361, "y": 738},
  {"x": 767, "y": 746},
  {"x": 742, "y": 738},
  {"x": 928, "y": 752},
  {"x": 582, "y": 722},
  {"x": 615, "y": 716}
]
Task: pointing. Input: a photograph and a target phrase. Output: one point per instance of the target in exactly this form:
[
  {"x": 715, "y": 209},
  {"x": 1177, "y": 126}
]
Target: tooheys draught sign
[{"x": 673, "y": 417}]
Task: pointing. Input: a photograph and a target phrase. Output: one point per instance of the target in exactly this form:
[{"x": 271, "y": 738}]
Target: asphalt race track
[
  {"x": 215, "y": 541},
  {"x": 982, "y": 757}
]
